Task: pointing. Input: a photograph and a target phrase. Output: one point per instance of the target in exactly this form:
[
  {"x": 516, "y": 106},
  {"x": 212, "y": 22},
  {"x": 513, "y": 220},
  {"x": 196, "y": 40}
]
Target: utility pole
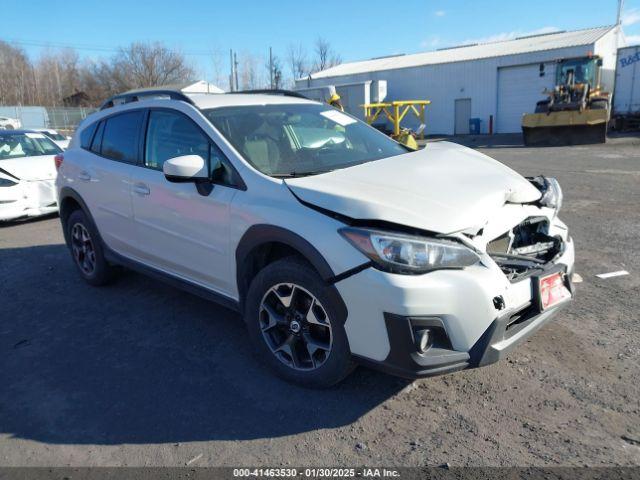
[
  {"x": 620, "y": 7},
  {"x": 271, "y": 68},
  {"x": 231, "y": 71},
  {"x": 235, "y": 69},
  {"x": 619, "y": 22}
]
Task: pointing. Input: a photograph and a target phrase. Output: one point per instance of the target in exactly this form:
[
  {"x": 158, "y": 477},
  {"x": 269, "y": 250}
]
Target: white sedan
[
  {"x": 27, "y": 174},
  {"x": 9, "y": 123}
]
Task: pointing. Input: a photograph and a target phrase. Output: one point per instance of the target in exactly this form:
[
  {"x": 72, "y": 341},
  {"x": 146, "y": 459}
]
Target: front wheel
[{"x": 296, "y": 324}]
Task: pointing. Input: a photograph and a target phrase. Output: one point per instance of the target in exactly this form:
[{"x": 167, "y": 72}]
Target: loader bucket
[{"x": 565, "y": 128}]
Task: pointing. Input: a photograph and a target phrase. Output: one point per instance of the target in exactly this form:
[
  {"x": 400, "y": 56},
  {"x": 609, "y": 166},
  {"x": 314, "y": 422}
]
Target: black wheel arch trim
[
  {"x": 68, "y": 192},
  {"x": 261, "y": 234}
]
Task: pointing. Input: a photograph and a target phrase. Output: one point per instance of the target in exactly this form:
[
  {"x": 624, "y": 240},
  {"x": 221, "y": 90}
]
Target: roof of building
[{"x": 526, "y": 44}]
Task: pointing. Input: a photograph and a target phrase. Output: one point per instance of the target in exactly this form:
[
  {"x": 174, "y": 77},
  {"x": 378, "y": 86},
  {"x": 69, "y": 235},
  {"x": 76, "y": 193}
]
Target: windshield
[
  {"x": 582, "y": 72},
  {"x": 16, "y": 145},
  {"x": 55, "y": 136},
  {"x": 300, "y": 139}
]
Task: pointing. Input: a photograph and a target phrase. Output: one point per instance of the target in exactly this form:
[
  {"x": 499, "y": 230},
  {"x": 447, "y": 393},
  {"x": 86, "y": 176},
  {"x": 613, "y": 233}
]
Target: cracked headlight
[
  {"x": 551, "y": 194},
  {"x": 400, "y": 253}
]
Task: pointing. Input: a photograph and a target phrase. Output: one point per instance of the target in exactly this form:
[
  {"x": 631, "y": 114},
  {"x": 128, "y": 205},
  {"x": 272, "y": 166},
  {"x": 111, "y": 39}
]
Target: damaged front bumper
[
  {"x": 502, "y": 335},
  {"x": 28, "y": 199},
  {"x": 475, "y": 315}
]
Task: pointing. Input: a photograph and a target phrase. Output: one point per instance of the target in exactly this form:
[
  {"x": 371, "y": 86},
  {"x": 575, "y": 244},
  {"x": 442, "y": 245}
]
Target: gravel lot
[{"x": 139, "y": 373}]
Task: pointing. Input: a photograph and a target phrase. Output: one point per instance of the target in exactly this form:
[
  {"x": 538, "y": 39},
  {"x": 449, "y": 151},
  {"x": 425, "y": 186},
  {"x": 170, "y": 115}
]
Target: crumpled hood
[
  {"x": 30, "y": 168},
  {"x": 442, "y": 188}
]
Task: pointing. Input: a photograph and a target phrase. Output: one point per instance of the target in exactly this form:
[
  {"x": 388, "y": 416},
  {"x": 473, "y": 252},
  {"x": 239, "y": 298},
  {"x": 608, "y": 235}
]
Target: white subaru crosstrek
[{"x": 338, "y": 245}]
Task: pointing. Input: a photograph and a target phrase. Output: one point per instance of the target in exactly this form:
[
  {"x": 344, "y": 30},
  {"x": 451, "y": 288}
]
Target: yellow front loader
[{"x": 576, "y": 111}]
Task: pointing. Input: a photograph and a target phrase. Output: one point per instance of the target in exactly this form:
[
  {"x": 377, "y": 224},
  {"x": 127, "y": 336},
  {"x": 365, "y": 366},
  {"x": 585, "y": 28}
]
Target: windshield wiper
[{"x": 294, "y": 174}]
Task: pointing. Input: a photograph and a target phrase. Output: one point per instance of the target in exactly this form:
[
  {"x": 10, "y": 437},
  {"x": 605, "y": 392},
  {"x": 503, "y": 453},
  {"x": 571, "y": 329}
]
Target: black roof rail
[
  {"x": 277, "y": 91},
  {"x": 136, "y": 95}
]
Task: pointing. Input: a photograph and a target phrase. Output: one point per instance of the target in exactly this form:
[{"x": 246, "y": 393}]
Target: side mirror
[{"x": 186, "y": 168}]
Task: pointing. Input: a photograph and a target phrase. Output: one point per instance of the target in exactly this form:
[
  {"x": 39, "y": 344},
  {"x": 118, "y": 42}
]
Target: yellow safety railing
[{"x": 395, "y": 112}]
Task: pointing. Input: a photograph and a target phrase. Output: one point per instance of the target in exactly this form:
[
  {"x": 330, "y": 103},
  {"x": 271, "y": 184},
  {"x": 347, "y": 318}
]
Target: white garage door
[{"x": 519, "y": 88}]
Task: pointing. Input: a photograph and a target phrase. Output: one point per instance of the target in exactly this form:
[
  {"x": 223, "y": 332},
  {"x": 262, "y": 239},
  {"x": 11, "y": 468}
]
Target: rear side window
[
  {"x": 120, "y": 137},
  {"x": 87, "y": 135},
  {"x": 172, "y": 135},
  {"x": 97, "y": 139}
]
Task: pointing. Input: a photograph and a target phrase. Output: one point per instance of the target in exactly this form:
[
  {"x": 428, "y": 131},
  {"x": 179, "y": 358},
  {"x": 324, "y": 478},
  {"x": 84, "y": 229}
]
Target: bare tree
[
  {"x": 297, "y": 57},
  {"x": 276, "y": 73},
  {"x": 278, "y": 81},
  {"x": 60, "y": 73},
  {"x": 220, "y": 77},
  {"x": 57, "y": 75},
  {"x": 16, "y": 76},
  {"x": 95, "y": 81},
  {"x": 147, "y": 65},
  {"x": 249, "y": 76},
  {"x": 325, "y": 57}
]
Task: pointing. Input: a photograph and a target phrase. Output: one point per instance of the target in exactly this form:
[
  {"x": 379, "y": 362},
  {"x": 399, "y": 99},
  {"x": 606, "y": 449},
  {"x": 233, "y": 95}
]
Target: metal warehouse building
[{"x": 500, "y": 79}]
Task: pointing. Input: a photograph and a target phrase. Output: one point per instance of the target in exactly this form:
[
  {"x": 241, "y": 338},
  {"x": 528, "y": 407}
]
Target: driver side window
[{"x": 170, "y": 135}]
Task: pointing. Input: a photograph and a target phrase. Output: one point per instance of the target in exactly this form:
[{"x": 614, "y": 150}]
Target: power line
[{"x": 85, "y": 47}]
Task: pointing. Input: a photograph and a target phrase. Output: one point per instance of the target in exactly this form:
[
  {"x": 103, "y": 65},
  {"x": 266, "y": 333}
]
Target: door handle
[
  {"x": 141, "y": 189},
  {"x": 84, "y": 176}
]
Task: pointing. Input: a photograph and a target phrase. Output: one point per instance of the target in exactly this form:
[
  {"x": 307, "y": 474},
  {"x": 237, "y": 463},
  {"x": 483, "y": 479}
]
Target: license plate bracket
[{"x": 552, "y": 289}]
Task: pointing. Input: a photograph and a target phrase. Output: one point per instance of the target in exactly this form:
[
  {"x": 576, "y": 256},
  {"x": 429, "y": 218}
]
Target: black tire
[
  {"x": 102, "y": 272},
  {"x": 334, "y": 366},
  {"x": 599, "y": 105},
  {"x": 542, "y": 107}
]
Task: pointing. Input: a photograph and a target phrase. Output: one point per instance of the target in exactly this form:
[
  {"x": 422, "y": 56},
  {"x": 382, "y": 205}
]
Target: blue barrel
[{"x": 474, "y": 126}]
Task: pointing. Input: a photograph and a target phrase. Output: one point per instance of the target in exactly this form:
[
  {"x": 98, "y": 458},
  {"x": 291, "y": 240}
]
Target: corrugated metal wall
[
  {"x": 444, "y": 83},
  {"x": 626, "y": 99}
]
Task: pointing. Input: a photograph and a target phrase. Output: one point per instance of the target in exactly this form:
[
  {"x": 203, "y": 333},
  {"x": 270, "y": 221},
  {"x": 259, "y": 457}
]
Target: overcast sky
[{"x": 356, "y": 29}]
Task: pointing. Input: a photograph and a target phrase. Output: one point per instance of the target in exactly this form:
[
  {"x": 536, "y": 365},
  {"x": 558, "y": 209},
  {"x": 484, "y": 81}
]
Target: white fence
[{"x": 59, "y": 118}]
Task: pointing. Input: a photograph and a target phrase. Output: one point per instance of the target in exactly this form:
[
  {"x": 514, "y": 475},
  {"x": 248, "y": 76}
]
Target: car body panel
[
  {"x": 181, "y": 231},
  {"x": 259, "y": 205},
  {"x": 443, "y": 188},
  {"x": 63, "y": 144},
  {"x": 41, "y": 167},
  {"x": 105, "y": 186},
  {"x": 34, "y": 193}
]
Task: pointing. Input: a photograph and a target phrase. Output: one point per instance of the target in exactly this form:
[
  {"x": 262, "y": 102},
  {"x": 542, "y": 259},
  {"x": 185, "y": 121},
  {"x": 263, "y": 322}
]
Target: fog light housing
[{"x": 423, "y": 340}]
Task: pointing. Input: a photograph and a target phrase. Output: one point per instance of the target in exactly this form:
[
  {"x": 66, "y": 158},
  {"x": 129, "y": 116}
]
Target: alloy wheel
[
  {"x": 295, "y": 326},
  {"x": 82, "y": 247}
]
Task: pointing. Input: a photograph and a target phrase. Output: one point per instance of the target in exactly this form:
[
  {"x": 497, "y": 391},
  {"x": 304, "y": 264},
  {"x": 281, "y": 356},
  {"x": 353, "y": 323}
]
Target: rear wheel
[
  {"x": 87, "y": 251},
  {"x": 296, "y": 324}
]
